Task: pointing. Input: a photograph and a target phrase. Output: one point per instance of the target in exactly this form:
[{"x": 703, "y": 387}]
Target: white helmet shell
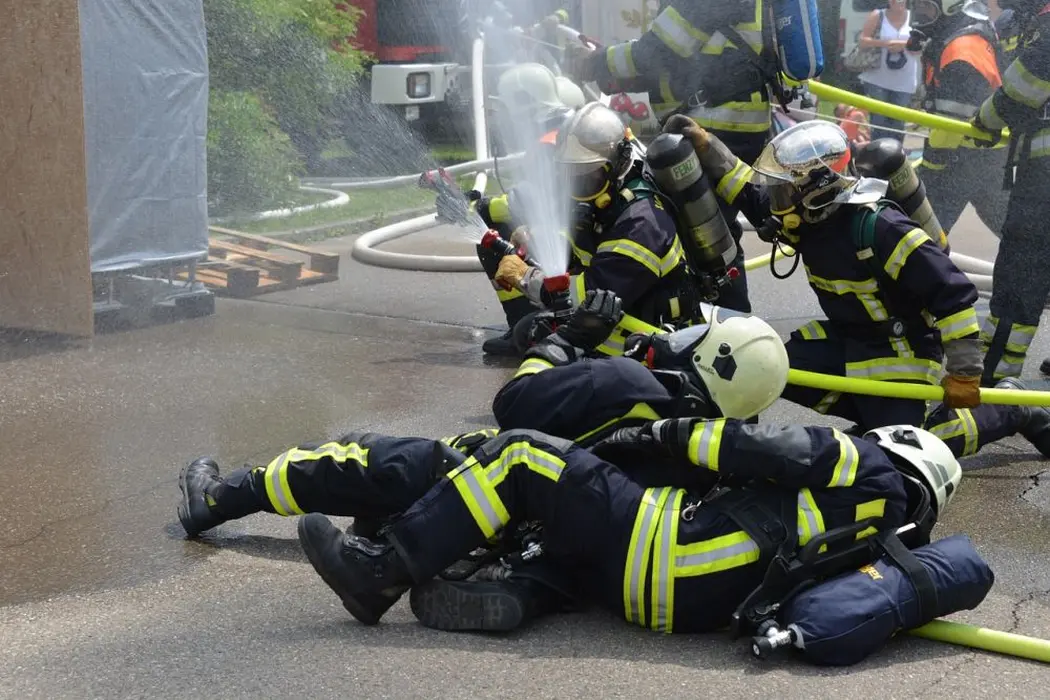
[
  {"x": 570, "y": 94},
  {"x": 528, "y": 87},
  {"x": 743, "y": 363},
  {"x": 924, "y": 456},
  {"x": 591, "y": 139}
]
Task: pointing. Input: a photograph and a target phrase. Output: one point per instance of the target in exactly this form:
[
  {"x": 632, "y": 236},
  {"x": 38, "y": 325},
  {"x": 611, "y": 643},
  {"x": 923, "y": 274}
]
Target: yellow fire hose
[
  {"x": 933, "y": 121},
  {"x": 763, "y": 260},
  {"x": 985, "y": 639},
  {"x": 906, "y": 390}
]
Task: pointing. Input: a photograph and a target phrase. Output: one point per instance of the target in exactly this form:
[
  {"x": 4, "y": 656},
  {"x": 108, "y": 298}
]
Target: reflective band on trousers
[
  {"x": 963, "y": 426},
  {"x": 276, "y": 476},
  {"x": 639, "y": 552}
]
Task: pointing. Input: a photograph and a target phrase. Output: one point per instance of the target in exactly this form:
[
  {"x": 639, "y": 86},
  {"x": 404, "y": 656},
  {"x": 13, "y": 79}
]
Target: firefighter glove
[
  {"x": 681, "y": 124},
  {"x": 961, "y": 391},
  {"x": 511, "y": 272},
  {"x": 637, "y": 345},
  {"x": 584, "y": 63},
  {"x": 996, "y": 135},
  {"x": 593, "y": 320}
]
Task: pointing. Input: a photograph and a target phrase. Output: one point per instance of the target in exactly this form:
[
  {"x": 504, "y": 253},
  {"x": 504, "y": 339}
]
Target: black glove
[
  {"x": 637, "y": 345},
  {"x": 916, "y": 41},
  {"x": 593, "y": 320},
  {"x": 669, "y": 436},
  {"x": 997, "y": 135}
]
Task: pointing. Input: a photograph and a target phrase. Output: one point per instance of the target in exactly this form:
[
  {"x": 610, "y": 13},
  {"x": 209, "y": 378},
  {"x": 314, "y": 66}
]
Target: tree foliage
[{"x": 279, "y": 68}]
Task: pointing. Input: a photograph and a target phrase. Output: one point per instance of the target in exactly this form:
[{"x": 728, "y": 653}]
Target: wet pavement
[{"x": 100, "y": 595}]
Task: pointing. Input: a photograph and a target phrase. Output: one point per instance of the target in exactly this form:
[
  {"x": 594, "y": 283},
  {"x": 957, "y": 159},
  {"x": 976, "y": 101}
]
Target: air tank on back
[
  {"x": 708, "y": 243},
  {"x": 886, "y": 159}
]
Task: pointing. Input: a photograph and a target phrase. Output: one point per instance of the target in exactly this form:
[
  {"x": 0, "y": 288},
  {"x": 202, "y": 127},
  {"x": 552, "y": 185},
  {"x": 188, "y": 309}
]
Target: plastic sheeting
[{"x": 145, "y": 68}]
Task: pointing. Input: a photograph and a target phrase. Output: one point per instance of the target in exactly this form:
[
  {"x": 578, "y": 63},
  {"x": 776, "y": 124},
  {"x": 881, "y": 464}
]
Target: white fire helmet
[
  {"x": 923, "y": 455},
  {"x": 740, "y": 359}
]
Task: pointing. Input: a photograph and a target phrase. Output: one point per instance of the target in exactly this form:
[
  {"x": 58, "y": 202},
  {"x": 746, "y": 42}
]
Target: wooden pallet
[{"x": 247, "y": 267}]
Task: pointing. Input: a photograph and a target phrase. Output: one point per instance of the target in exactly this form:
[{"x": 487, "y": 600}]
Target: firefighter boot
[
  {"x": 502, "y": 605},
  {"x": 506, "y": 345},
  {"x": 1035, "y": 420},
  {"x": 369, "y": 576},
  {"x": 208, "y": 500}
]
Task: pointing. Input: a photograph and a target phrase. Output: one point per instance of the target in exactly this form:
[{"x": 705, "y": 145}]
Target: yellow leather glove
[
  {"x": 681, "y": 124},
  {"x": 961, "y": 392},
  {"x": 511, "y": 271}
]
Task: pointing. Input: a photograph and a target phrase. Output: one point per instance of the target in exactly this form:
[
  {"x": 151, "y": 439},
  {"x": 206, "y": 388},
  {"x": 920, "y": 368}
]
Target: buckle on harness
[{"x": 696, "y": 100}]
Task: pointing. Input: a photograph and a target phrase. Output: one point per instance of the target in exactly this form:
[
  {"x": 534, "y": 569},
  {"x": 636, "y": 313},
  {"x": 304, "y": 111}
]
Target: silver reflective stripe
[
  {"x": 521, "y": 453},
  {"x": 614, "y": 344},
  {"x": 663, "y": 580},
  {"x": 703, "y": 558},
  {"x": 1041, "y": 144},
  {"x": 827, "y": 402},
  {"x": 917, "y": 369},
  {"x": 729, "y": 114},
  {"x": 808, "y": 516},
  {"x": 708, "y": 430},
  {"x": 648, "y": 515},
  {"x": 673, "y": 30},
  {"x": 957, "y": 326},
  {"x": 470, "y": 478},
  {"x": 959, "y": 109},
  {"x": 849, "y": 459},
  {"x": 732, "y": 183},
  {"x": 864, "y": 290},
  {"x": 620, "y": 62},
  {"x": 273, "y": 474},
  {"x": 719, "y": 41},
  {"x": 1025, "y": 87},
  {"x": 912, "y": 240},
  {"x": 1008, "y": 368},
  {"x": 989, "y": 116},
  {"x": 1021, "y": 336}
]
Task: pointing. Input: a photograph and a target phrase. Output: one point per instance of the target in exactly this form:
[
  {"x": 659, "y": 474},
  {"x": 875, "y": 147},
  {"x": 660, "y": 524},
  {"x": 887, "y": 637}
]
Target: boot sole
[
  {"x": 466, "y": 606},
  {"x": 350, "y": 603}
]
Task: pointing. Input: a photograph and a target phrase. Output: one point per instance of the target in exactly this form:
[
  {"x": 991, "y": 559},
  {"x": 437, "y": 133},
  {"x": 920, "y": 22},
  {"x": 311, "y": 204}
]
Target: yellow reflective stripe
[
  {"x": 958, "y": 325},
  {"x": 577, "y": 289},
  {"x": 704, "y": 443},
  {"x": 990, "y": 115},
  {"x": 583, "y": 255},
  {"x": 1022, "y": 85},
  {"x": 864, "y": 290},
  {"x": 536, "y": 460},
  {"x": 714, "y": 555},
  {"x": 751, "y": 32},
  {"x": 948, "y": 429},
  {"x": 846, "y": 465},
  {"x": 810, "y": 520},
  {"x": 661, "y": 587},
  {"x": 499, "y": 210},
  {"x": 532, "y": 365},
  {"x": 614, "y": 344},
  {"x": 505, "y": 295},
  {"x": 638, "y": 551},
  {"x": 643, "y": 256},
  {"x": 991, "y": 324},
  {"x": 870, "y": 509},
  {"x": 275, "y": 476},
  {"x": 1040, "y": 146},
  {"x": 620, "y": 61},
  {"x": 677, "y": 33},
  {"x": 814, "y": 330},
  {"x": 732, "y": 183},
  {"x": 666, "y": 93},
  {"x": 743, "y": 117},
  {"x": 562, "y": 15},
  {"x": 905, "y": 247},
  {"x": 641, "y": 411},
  {"x": 480, "y": 498},
  {"x": 825, "y": 404},
  {"x": 885, "y": 369}
]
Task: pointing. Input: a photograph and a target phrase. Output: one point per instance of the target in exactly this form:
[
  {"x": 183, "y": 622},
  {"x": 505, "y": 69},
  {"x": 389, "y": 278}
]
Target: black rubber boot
[
  {"x": 198, "y": 481},
  {"x": 1044, "y": 366},
  {"x": 1035, "y": 425},
  {"x": 502, "y": 345},
  {"x": 508, "y": 344},
  {"x": 369, "y": 577}
]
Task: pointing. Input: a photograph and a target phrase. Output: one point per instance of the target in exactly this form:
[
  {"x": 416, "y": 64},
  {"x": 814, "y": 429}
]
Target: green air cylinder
[
  {"x": 886, "y": 159},
  {"x": 677, "y": 172}
]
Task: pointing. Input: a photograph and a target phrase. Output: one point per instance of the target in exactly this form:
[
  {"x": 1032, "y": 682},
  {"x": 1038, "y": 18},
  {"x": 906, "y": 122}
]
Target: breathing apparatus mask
[{"x": 595, "y": 152}]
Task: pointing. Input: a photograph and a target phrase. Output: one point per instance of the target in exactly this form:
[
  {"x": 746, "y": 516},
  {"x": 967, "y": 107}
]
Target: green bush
[{"x": 252, "y": 164}]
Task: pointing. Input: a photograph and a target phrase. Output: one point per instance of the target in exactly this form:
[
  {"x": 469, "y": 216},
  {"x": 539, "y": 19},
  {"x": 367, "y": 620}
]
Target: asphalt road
[{"x": 101, "y": 597}]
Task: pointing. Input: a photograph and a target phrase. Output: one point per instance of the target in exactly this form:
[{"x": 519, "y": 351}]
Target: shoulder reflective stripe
[
  {"x": 480, "y": 498},
  {"x": 990, "y": 116},
  {"x": 677, "y": 33},
  {"x": 870, "y": 509},
  {"x": 705, "y": 442},
  {"x": 634, "y": 251},
  {"x": 958, "y": 109},
  {"x": 733, "y": 182},
  {"x": 276, "y": 475},
  {"x": 642, "y": 411},
  {"x": 958, "y": 325},
  {"x": 810, "y": 520},
  {"x": 534, "y": 459},
  {"x": 846, "y": 466},
  {"x": 905, "y": 247},
  {"x": 532, "y": 365},
  {"x": 661, "y": 588},
  {"x": 814, "y": 330},
  {"x": 620, "y": 61},
  {"x": 714, "y": 555},
  {"x": 910, "y": 369},
  {"x": 638, "y": 552},
  {"x": 1024, "y": 86}
]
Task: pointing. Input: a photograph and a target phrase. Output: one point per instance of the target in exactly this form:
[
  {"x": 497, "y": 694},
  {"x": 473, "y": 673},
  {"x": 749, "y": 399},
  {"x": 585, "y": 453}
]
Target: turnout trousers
[
  {"x": 1021, "y": 281},
  {"x": 955, "y": 177},
  {"x": 648, "y": 552},
  {"x": 816, "y": 347}
]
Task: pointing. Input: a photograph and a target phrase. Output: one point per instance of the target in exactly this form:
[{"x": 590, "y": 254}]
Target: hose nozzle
[{"x": 557, "y": 283}]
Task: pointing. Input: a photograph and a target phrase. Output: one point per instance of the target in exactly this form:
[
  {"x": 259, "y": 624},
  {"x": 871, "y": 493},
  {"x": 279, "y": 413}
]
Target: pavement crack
[
  {"x": 1015, "y": 611},
  {"x": 966, "y": 658},
  {"x": 1036, "y": 482}
]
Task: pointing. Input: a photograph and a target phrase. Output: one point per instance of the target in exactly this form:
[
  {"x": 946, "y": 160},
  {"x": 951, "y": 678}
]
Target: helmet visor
[
  {"x": 925, "y": 13},
  {"x": 803, "y": 148}
]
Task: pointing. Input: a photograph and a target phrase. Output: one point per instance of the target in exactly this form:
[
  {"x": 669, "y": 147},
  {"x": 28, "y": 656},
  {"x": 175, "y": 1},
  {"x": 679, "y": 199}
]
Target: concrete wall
[{"x": 45, "y": 271}]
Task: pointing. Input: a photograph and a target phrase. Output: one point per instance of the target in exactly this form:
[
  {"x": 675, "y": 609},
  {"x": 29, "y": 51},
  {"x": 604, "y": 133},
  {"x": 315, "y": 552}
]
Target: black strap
[
  {"x": 774, "y": 533},
  {"x": 903, "y": 559}
]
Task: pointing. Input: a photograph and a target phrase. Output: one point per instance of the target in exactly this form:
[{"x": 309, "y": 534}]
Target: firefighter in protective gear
[
  {"x": 711, "y": 62},
  {"x": 624, "y": 239},
  {"x": 668, "y": 558},
  {"x": 961, "y": 70},
  {"x": 530, "y": 109},
  {"x": 895, "y": 304},
  {"x": 1009, "y": 34},
  {"x": 1022, "y": 267}
]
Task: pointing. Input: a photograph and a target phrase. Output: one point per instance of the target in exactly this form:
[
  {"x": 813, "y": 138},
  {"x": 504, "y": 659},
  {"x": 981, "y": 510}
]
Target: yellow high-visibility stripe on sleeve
[{"x": 705, "y": 442}]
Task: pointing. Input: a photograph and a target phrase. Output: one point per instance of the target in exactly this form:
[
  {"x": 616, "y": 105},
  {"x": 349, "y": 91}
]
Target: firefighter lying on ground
[
  {"x": 895, "y": 302},
  {"x": 625, "y": 235},
  {"x": 671, "y": 559}
]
